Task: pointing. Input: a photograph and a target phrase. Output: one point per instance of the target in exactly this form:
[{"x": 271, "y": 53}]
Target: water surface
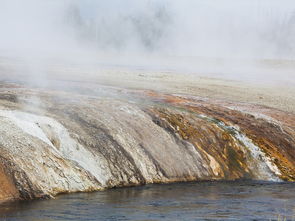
[{"x": 181, "y": 201}]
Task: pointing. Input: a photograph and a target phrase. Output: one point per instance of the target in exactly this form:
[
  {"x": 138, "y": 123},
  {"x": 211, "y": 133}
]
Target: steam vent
[{"x": 57, "y": 142}]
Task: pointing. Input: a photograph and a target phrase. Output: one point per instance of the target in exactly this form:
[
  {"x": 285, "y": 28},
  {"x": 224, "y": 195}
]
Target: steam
[{"x": 164, "y": 32}]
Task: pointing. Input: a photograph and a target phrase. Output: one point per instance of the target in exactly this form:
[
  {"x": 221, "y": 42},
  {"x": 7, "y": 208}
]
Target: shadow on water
[{"x": 242, "y": 200}]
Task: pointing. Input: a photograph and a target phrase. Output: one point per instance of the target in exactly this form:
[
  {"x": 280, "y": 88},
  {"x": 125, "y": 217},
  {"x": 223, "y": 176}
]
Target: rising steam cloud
[{"x": 253, "y": 29}]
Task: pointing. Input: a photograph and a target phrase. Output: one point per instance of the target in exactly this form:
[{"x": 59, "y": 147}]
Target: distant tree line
[{"x": 147, "y": 29}]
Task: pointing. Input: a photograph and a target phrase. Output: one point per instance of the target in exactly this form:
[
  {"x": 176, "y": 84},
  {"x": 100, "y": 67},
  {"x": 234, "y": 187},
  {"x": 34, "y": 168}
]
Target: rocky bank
[{"x": 54, "y": 141}]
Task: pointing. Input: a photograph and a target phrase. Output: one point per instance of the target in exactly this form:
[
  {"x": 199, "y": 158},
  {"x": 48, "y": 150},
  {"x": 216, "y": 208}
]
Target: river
[{"x": 243, "y": 200}]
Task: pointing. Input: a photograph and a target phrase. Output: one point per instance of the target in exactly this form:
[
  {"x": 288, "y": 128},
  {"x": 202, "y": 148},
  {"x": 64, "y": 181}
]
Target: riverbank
[
  {"x": 91, "y": 129},
  {"x": 82, "y": 136}
]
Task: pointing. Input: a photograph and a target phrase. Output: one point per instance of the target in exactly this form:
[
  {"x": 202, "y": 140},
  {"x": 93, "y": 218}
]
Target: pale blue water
[{"x": 181, "y": 201}]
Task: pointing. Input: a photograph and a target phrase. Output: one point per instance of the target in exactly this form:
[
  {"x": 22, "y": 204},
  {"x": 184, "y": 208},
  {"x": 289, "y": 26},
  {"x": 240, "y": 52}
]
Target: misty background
[{"x": 188, "y": 35}]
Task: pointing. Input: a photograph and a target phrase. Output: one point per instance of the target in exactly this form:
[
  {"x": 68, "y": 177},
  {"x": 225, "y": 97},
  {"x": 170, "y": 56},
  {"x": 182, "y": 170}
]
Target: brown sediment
[
  {"x": 8, "y": 190},
  {"x": 210, "y": 140},
  {"x": 277, "y": 141},
  {"x": 275, "y": 136}
]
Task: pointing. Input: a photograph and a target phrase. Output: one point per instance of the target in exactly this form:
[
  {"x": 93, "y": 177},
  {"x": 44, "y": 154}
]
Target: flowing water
[{"x": 181, "y": 201}]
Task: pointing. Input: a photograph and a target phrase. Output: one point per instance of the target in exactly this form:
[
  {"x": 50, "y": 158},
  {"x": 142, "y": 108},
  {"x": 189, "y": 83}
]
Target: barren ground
[{"x": 274, "y": 88}]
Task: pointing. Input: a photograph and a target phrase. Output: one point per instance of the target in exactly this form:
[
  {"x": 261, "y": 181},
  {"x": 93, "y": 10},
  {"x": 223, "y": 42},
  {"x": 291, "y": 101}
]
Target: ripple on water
[{"x": 181, "y": 201}]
